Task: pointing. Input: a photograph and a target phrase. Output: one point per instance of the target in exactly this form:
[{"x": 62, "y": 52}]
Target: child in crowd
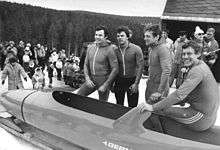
[
  {"x": 26, "y": 58},
  {"x": 38, "y": 79},
  {"x": 31, "y": 68},
  {"x": 59, "y": 66},
  {"x": 70, "y": 73},
  {"x": 50, "y": 68},
  {"x": 65, "y": 71}
]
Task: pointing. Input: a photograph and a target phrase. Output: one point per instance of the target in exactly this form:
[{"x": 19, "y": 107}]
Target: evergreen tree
[{"x": 69, "y": 37}]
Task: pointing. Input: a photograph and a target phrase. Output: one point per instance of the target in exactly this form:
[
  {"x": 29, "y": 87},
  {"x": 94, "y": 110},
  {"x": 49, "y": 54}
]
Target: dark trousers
[
  {"x": 121, "y": 87},
  {"x": 85, "y": 90},
  {"x": 42, "y": 62},
  {"x": 59, "y": 75},
  {"x": 50, "y": 74}
]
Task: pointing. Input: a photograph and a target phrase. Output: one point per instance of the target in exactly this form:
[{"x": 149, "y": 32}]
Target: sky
[{"x": 117, "y": 7}]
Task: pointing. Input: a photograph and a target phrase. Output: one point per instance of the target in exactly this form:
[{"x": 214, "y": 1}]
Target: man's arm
[
  {"x": 4, "y": 73},
  {"x": 165, "y": 62},
  {"x": 86, "y": 66},
  {"x": 112, "y": 58},
  {"x": 193, "y": 79},
  {"x": 214, "y": 47},
  {"x": 22, "y": 71},
  {"x": 140, "y": 65}
]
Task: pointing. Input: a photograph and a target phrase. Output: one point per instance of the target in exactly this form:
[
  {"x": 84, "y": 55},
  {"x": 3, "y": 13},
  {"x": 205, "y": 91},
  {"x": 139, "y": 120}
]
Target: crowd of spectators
[{"x": 52, "y": 62}]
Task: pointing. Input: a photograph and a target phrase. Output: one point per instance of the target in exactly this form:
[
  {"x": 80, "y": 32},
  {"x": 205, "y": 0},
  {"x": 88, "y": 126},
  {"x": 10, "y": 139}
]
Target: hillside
[{"x": 62, "y": 29}]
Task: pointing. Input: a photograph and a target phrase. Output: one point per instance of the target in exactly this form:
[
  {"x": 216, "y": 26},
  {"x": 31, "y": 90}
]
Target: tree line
[{"x": 63, "y": 29}]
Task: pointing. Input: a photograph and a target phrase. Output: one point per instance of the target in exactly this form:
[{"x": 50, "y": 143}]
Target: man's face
[
  {"x": 189, "y": 56},
  {"x": 164, "y": 34},
  {"x": 122, "y": 38},
  {"x": 182, "y": 38},
  {"x": 13, "y": 63},
  {"x": 199, "y": 36},
  {"x": 149, "y": 38},
  {"x": 100, "y": 36},
  {"x": 21, "y": 44},
  {"x": 209, "y": 34}
]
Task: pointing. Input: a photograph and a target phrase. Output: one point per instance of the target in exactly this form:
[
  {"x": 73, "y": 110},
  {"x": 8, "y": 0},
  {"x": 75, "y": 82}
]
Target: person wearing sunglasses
[{"x": 198, "y": 36}]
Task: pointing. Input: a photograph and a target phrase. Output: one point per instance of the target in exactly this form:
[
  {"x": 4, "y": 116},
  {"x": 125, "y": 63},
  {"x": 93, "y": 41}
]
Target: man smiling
[
  {"x": 159, "y": 64},
  {"x": 130, "y": 60},
  {"x": 101, "y": 65},
  {"x": 199, "y": 89}
]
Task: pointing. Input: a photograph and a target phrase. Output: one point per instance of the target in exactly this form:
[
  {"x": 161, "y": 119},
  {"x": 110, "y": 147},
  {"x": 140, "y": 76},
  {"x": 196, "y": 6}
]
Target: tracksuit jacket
[{"x": 100, "y": 60}]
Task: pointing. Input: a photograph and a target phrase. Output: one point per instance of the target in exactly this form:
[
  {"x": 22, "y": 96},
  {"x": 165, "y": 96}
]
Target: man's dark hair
[
  {"x": 210, "y": 29},
  {"x": 12, "y": 60},
  {"x": 155, "y": 30},
  {"x": 124, "y": 29},
  {"x": 182, "y": 33},
  {"x": 197, "y": 48},
  {"x": 101, "y": 27},
  {"x": 10, "y": 52},
  {"x": 166, "y": 30}
]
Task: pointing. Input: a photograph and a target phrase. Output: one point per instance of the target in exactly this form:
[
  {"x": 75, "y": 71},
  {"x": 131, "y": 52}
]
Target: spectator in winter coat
[
  {"x": 31, "y": 68},
  {"x": 59, "y": 66},
  {"x": 13, "y": 71},
  {"x": 65, "y": 71},
  {"x": 12, "y": 47},
  {"x": 50, "y": 68},
  {"x": 40, "y": 56},
  {"x": 20, "y": 54},
  {"x": 3, "y": 54},
  {"x": 198, "y": 36},
  {"x": 177, "y": 63},
  {"x": 168, "y": 42},
  {"x": 38, "y": 79},
  {"x": 211, "y": 45}
]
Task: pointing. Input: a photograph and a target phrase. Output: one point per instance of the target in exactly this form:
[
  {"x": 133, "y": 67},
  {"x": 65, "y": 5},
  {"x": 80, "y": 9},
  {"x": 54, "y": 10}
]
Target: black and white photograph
[{"x": 109, "y": 74}]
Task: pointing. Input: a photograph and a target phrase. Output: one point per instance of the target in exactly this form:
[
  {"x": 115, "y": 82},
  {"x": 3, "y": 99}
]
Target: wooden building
[{"x": 187, "y": 14}]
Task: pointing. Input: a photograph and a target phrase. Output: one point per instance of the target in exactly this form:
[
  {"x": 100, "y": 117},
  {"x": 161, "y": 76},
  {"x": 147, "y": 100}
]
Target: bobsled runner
[{"x": 89, "y": 123}]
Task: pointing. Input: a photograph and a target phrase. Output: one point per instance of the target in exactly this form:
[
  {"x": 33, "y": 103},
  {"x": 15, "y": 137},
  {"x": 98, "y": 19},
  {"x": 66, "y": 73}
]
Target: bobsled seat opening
[{"x": 90, "y": 105}]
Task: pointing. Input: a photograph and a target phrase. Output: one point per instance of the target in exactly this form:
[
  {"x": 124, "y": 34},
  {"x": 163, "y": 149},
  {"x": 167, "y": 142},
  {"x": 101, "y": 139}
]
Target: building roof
[{"x": 192, "y": 10}]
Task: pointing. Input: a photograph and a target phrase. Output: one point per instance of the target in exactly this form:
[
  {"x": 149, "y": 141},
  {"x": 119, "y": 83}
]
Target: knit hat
[{"x": 198, "y": 30}]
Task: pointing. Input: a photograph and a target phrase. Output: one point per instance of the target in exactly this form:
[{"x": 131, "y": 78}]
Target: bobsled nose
[
  {"x": 12, "y": 101},
  {"x": 16, "y": 96}
]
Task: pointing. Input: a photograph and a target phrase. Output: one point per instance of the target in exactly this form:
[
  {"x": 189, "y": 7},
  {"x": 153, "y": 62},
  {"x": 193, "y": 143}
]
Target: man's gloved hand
[
  {"x": 212, "y": 61},
  {"x": 3, "y": 82},
  {"x": 25, "y": 79},
  {"x": 134, "y": 88},
  {"x": 145, "y": 106},
  {"x": 102, "y": 88},
  {"x": 112, "y": 88},
  {"x": 89, "y": 82},
  {"x": 155, "y": 97}
]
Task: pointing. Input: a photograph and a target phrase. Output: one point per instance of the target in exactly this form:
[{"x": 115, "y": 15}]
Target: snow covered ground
[{"x": 9, "y": 142}]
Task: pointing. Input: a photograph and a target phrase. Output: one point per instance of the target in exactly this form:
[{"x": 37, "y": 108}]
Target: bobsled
[{"x": 88, "y": 123}]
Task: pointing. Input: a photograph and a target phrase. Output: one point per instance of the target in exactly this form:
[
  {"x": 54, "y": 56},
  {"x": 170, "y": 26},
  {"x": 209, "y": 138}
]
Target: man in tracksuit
[
  {"x": 130, "y": 60},
  {"x": 199, "y": 89},
  {"x": 101, "y": 66},
  {"x": 159, "y": 64}
]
